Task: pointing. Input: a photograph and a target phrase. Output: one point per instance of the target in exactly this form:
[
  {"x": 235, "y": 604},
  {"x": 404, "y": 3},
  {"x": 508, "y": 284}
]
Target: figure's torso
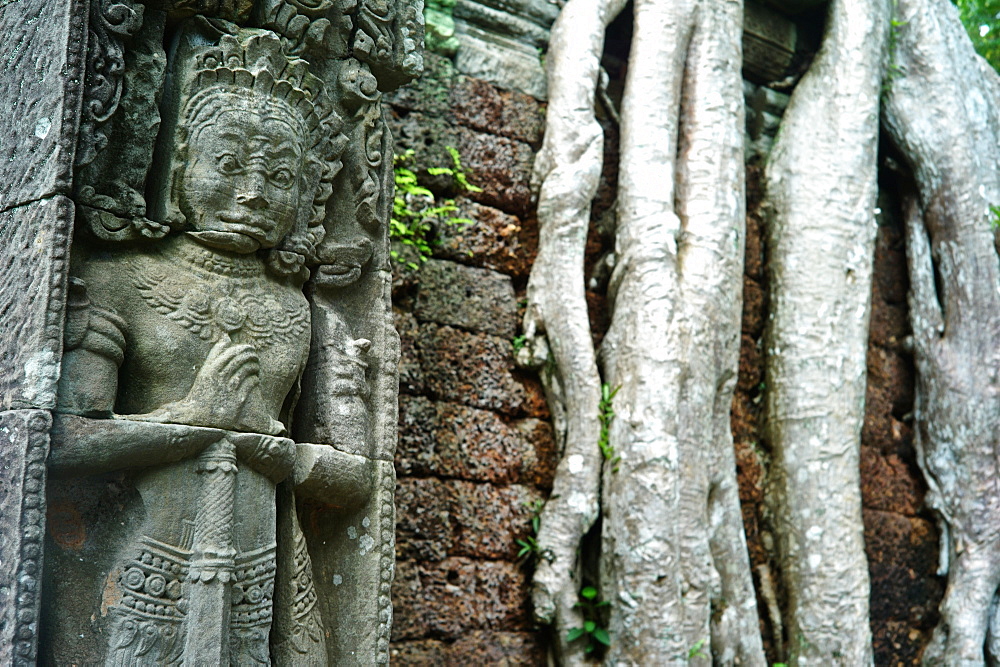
[{"x": 180, "y": 303}]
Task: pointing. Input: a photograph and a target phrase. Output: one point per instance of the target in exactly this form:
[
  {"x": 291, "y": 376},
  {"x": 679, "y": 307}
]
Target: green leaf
[
  {"x": 588, "y": 593},
  {"x": 440, "y": 171},
  {"x": 695, "y": 651},
  {"x": 574, "y": 634},
  {"x": 464, "y": 183},
  {"x": 589, "y": 626},
  {"x": 601, "y": 635}
]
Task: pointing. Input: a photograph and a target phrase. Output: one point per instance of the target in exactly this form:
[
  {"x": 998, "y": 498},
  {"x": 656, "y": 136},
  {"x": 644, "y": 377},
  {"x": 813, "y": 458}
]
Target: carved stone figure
[{"x": 227, "y": 308}]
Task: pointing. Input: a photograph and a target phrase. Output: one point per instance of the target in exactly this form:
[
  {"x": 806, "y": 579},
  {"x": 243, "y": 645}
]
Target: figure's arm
[
  {"x": 82, "y": 446},
  {"x": 94, "y": 348},
  {"x": 87, "y": 437}
]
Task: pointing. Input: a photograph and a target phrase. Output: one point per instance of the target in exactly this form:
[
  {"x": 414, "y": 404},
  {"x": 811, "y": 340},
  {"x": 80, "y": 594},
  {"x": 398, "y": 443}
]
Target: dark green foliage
[
  {"x": 529, "y": 545},
  {"x": 982, "y": 21}
]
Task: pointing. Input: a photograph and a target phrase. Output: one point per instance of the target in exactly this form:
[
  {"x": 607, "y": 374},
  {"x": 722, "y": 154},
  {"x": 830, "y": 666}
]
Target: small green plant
[
  {"x": 456, "y": 171},
  {"x": 592, "y": 630},
  {"x": 518, "y": 343},
  {"x": 995, "y": 219},
  {"x": 606, "y": 410},
  {"x": 696, "y": 652},
  {"x": 529, "y": 545},
  {"x": 893, "y": 70},
  {"x": 411, "y": 225}
]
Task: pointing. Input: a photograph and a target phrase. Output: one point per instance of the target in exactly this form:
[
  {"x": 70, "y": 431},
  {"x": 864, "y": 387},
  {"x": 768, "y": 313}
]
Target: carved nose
[{"x": 254, "y": 201}]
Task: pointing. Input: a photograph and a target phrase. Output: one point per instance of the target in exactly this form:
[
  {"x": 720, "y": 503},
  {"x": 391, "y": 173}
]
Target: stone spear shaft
[{"x": 213, "y": 559}]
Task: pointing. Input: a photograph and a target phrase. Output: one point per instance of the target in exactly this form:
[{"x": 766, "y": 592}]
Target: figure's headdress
[{"x": 250, "y": 64}]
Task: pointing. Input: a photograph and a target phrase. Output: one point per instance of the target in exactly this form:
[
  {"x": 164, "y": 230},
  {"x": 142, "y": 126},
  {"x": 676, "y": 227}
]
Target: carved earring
[{"x": 175, "y": 218}]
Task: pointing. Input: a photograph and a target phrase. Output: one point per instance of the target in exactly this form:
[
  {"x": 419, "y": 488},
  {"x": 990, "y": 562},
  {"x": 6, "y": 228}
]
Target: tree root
[{"x": 941, "y": 112}]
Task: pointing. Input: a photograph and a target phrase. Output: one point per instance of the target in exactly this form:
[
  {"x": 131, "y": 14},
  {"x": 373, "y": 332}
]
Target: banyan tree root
[
  {"x": 821, "y": 189},
  {"x": 941, "y": 112},
  {"x": 673, "y": 555},
  {"x": 566, "y": 175}
]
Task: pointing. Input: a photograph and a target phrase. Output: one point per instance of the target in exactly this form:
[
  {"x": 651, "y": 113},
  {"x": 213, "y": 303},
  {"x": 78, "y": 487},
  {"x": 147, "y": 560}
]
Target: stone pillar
[{"x": 42, "y": 43}]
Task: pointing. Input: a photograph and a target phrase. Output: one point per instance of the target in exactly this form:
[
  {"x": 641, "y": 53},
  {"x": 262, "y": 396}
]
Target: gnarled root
[{"x": 941, "y": 111}]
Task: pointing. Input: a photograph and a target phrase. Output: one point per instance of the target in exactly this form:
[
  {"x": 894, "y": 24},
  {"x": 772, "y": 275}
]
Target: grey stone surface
[
  {"x": 770, "y": 41},
  {"x": 467, "y": 297},
  {"x": 41, "y": 51},
  {"x": 411, "y": 380},
  {"x": 24, "y": 444},
  {"x": 33, "y": 262},
  {"x": 502, "y": 42},
  {"x": 500, "y": 60}
]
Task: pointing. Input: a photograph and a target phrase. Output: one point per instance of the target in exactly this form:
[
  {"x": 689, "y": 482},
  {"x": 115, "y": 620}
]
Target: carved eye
[
  {"x": 282, "y": 177},
  {"x": 228, "y": 164}
]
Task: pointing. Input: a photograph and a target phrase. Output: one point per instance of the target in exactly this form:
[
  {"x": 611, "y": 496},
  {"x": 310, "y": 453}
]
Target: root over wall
[{"x": 475, "y": 443}]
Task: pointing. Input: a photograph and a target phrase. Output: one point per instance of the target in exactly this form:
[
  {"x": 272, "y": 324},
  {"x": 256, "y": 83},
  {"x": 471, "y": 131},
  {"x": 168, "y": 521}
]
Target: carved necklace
[{"x": 212, "y": 295}]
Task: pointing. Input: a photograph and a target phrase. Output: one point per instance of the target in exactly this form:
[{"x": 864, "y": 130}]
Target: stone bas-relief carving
[{"x": 221, "y": 451}]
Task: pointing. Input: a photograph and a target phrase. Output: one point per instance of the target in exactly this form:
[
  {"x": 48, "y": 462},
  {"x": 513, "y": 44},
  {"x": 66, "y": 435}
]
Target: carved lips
[
  {"x": 242, "y": 232},
  {"x": 343, "y": 263},
  {"x": 254, "y": 225}
]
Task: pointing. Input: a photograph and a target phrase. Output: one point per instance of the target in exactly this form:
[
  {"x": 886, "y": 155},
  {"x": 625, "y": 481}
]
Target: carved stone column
[{"x": 201, "y": 396}]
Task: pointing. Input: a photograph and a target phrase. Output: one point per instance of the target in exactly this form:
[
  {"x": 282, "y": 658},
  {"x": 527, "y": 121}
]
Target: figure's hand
[
  {"x": 329, "y": 475},
  {"x": 225, "y": 394},
  {"x": 270, "y": 456},
  {"x": 230, "y": 374}
]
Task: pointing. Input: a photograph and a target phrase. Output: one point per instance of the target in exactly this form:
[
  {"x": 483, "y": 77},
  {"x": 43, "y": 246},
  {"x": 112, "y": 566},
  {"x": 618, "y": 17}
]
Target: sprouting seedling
[
  {"x": 595, "y": 634},
  {"x": 606, "y": 413},
  {"x": 529, "y": 545}
]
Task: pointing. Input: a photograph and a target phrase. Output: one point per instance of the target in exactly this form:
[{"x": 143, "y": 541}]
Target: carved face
[{"x": 241, "y": 186}]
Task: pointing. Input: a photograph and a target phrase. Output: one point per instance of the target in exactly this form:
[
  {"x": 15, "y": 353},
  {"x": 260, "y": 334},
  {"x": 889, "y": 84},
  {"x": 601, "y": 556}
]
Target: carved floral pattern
[{"x": 112, "y": 22}]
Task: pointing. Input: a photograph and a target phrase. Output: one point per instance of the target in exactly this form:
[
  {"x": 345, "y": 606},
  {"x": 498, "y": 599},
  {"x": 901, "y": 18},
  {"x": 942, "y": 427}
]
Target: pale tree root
[
  {"x": 942, "y": 112},
  {"x": 557, "y": 327},
  {"x": 821, "y": 190},
  {"x": 961, "y": 634},
  {"x": 674, "y": 562}
]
